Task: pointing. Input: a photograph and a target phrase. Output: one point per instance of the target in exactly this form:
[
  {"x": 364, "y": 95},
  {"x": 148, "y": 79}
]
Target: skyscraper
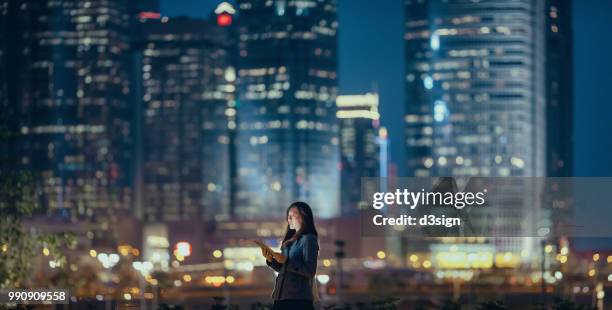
[
  {"x": 188, "y": 110},
  {"x": 288, "y": 132},
  {"x": 475, "y": 88},
  {"x": 359, "y": 151},
  {"x": 476, "y": 99},
  {"x": 68, "y": 89}
]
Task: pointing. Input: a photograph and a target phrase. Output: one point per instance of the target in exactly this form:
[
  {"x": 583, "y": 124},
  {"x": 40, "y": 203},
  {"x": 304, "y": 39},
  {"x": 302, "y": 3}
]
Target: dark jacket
[{"x": 295, "y": 276}]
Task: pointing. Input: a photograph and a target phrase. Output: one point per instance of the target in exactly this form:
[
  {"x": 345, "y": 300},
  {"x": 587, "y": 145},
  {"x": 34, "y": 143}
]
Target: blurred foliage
[
  {"x": 170, "y": 307},
  {"x": 261, "y": 306},
  {"x": 19, "y": 246},
  {"x": 388, "y": 303},
  {"x": 450, "y": 305},
  {"x": 393, "y": 303},
  {"x": 219, "y": 304},
  {"x": 492, "y": 305},
  {"x": 564, "y": 304}
]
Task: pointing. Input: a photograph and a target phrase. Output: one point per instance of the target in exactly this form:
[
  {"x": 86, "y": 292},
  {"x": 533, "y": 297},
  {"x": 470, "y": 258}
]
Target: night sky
[{"x": 371, "y": 58}]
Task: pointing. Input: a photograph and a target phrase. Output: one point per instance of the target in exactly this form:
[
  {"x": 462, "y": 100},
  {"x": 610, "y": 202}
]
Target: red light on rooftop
[
  {"x": 114, "y": 172},
  {"x": 149, "y": 15},
  {"x": 224, "y": 19}
]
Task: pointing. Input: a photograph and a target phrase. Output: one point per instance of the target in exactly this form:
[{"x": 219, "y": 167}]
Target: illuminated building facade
[
  {"x": 187, "y": 115},
  {"x": 359, "y": 151},
  {"x": 288, "y": 131},
  {"x": 475, "y": 88},
  {"x": 68, "y": 85},
  {"x": 477, "y": 96}
]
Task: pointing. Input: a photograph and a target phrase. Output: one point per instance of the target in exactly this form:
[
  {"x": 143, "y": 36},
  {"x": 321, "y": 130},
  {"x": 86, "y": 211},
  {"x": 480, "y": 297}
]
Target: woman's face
[{"x": 294, "y": 219}]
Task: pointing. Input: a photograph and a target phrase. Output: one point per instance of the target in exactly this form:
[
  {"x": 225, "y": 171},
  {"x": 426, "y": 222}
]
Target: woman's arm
[
  {"x": 274, "y": 260},
  {"x": 310, "y": 251}
]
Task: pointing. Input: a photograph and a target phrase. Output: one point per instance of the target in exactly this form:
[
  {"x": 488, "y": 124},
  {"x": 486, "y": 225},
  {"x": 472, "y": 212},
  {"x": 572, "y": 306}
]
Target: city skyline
[
  {"x": 373, "y": 30},
  {"x": 152, "y": 154},
  {"x": 58, "y": 88},
  {"x": 371, "y": 58}
]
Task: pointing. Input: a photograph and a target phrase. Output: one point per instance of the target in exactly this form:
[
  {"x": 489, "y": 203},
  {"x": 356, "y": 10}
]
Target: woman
[{"x": 294, "y": 283}]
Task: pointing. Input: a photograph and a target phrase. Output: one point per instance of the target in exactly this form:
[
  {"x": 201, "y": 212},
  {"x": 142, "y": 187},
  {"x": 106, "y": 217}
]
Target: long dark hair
[{"x": 308, "y": 225}]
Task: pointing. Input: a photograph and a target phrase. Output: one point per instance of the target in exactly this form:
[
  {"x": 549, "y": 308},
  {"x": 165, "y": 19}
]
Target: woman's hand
[
  {"x": 279, "y": 257},
  {"x": 267, "y": 253},
  {"x": 271, "y": 255}
]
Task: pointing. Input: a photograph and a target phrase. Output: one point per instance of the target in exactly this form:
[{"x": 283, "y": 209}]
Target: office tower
[
  {"x": 187, "y": 111},
  {"x": 476, "y": 100},
  {"x": 288, "y": 132},
  {"x": 69, "y": 84},
  {"x": 475, "y": 88},
  {"x": 359, "y": 151}
]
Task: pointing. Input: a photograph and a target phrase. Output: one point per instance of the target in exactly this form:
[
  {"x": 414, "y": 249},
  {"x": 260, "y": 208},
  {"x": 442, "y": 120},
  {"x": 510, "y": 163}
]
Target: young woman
[{"x": 300, "y": 247}]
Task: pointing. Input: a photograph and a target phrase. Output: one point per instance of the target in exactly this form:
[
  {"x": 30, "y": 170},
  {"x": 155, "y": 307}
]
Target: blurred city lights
[
  {"x": 591, "y": 272},
  {"x": 323, "y": 278},
  {"x": 217, "y": 253},
  {"x": 108, "y": 260},
  {"x": 183, "y": 248},
  {"x": 326, "y": 262},
  {"x": 548, "y": 248}
]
